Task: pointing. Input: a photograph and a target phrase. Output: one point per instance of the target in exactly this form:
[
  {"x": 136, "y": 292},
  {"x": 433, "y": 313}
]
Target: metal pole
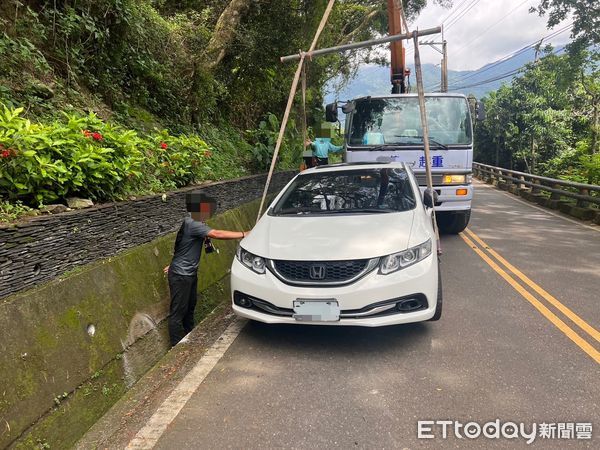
[
  {"x": 444, "y": 67},
  {"x": 363, "y": 44},
  {"x": 444, "y": 63},
  {"x": 424, "y": 124}
]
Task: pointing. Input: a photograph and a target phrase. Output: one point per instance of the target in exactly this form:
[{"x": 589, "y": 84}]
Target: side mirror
[
  {"x": 331, "y": 112},
  {"x": 429, "y": 198},
  {"x": 480, "y": 111}
]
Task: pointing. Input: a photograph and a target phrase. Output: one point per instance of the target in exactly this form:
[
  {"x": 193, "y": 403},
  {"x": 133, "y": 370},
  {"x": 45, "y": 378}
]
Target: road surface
[{"x": 517, "y": 342}]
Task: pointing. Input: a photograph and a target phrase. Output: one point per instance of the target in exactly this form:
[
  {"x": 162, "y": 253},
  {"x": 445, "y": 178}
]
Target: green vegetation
[
  {"x": 11, "y": 211},
  {"x": 546, "y": 121},
  {"x": 89, "y": 89},
  {"x": 84, "y": 156}
]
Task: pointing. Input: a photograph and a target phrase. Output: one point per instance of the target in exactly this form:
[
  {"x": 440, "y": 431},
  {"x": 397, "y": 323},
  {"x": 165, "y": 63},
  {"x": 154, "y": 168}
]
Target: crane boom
[{"x": 398, "y": 69}]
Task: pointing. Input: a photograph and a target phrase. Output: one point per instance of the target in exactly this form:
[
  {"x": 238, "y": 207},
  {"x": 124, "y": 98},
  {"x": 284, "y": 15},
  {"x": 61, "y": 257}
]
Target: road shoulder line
[{"x": 148, "y": 436}]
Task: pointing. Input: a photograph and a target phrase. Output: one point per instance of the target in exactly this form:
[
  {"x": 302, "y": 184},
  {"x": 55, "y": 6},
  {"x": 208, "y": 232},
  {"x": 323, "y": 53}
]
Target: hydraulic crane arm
[{"x": 399, "y": 71}]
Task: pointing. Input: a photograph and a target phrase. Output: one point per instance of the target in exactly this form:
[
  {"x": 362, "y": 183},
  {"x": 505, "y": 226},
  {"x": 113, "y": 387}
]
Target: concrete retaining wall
[{"x": 71, "y": 347}]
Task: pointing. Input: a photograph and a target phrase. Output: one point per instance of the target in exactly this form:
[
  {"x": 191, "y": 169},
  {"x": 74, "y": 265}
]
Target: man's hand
[
  {"x": 166, "y": 270},
  {"x": 307, "y": 143}
]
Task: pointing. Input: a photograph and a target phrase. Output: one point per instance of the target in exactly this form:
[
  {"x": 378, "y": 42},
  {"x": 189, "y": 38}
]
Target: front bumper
[
  {"x": 449, "y": 201},
  {"x": 419, "y": 280}
]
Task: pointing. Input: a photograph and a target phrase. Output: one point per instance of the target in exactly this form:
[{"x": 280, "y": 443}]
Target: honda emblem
[{"x": 317, "y": 271}]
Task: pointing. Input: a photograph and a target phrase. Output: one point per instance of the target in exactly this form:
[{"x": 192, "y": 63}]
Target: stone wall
[{"x": 38, "y": 251}]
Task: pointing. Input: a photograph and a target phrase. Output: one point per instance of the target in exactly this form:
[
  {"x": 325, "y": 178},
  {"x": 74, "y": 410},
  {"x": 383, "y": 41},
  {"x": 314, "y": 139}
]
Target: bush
[
  {"x": 81, "y": 156},
  {"x": 85, "y": 156},
  {"x": 574, "y": 165},
  {"x": 264, "y": 140},
  {"x": 10, "y": 212}
]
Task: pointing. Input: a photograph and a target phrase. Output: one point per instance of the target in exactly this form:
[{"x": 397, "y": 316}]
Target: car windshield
[
  {"x": 383, "y": 121},
  {"x": 368, "y": 191}
]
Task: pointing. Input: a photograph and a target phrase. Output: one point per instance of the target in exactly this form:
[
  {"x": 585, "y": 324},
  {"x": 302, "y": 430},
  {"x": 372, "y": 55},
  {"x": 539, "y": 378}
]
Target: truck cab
[{"x": 388, "y": 128}]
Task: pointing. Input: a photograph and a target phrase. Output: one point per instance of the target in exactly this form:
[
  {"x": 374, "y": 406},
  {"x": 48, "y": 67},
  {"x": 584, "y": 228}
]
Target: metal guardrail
[{"x": 583, "y": 193}]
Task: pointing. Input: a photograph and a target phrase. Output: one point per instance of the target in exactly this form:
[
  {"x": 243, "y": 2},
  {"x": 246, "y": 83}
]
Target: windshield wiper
[
  {"x": 431, "y": 141},
  {"x": 293, "y": 211},
  {"x": 362, "y": 210},
  {"x": 386, "y": 146}
]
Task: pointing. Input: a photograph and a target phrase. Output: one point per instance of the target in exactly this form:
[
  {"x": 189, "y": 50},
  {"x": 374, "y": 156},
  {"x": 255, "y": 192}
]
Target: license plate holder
[{"x": 321, "y": 310}]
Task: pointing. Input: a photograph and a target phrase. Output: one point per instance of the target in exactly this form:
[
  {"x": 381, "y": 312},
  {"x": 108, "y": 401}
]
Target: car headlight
[
  {"x": 454, "y": 179},
  {"x": 400, "y": 260},
  {"x": 251, "y": 261}
]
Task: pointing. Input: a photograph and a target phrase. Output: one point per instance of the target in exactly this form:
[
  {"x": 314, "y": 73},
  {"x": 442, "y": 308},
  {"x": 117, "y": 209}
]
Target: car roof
[{"x": 354, "y": 166}]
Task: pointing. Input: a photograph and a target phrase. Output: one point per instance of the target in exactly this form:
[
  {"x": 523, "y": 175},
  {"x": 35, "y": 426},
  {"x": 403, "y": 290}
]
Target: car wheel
[
  {"x": 438, "y": 305},
  {"x": 454, "y": 223}
]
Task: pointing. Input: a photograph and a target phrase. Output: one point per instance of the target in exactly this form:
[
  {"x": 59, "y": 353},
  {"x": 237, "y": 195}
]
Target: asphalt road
[{"x": 516, "y": 351}]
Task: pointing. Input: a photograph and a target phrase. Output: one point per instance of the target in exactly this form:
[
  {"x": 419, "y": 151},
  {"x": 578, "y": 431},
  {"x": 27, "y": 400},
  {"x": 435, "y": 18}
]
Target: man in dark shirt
[{"x": 183, "y": 270}]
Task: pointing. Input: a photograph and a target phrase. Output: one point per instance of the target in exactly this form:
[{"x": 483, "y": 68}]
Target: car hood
[{"x": 314, "y": 238}]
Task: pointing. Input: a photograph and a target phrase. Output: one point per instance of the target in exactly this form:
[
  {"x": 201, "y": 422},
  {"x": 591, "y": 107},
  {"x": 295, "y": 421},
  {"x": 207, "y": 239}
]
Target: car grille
[
  {"x": 320, "y": 272},
  {"x": 437, "y": 179}
]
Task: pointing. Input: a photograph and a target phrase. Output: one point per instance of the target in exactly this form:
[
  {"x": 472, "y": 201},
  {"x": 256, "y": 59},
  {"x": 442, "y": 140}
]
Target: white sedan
[{"x": 348, "y": 244}]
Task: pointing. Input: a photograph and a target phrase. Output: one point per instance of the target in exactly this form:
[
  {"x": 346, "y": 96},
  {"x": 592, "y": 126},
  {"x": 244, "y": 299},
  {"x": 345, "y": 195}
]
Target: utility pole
[
  {"x": 444, "y": 66},
  {"x": 444, "y": 52}
]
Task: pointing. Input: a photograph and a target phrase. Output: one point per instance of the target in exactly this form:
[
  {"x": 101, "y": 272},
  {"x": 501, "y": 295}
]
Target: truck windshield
[
  {"x": 381, "y": 121},
  {"x": 367, "y": 191}
]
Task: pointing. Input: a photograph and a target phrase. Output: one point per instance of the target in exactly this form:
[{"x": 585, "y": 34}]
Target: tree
[
  {"x": 585, "y": 13},
  {"x": 545, "y": 122},
  {"x": 224, "y": 32}
]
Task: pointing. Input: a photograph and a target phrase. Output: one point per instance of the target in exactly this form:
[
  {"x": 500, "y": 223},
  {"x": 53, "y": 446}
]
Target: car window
[{"x": 349, "y": 191}]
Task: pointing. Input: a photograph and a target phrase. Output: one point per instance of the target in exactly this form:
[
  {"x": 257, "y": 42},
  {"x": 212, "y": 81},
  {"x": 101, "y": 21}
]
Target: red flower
[
  {"x": 164, "y": 145},
  {"x": 86, "y": 133},
  {"x": 5, "y": 153},
  {"x": 97, "y": 136}
]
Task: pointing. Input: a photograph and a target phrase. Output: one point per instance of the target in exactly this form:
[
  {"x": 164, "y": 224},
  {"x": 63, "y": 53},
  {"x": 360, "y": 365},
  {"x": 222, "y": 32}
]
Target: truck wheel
[
  {"x": 438, "y": 304},
  {"x": 454, "y": 223}
]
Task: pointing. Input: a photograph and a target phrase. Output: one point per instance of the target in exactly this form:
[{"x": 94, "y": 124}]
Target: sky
[{"x": 470, "y": 46}]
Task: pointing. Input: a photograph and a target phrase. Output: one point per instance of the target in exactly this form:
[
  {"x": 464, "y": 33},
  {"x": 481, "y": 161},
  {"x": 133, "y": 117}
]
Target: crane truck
[{"x": 388, "y": 128}]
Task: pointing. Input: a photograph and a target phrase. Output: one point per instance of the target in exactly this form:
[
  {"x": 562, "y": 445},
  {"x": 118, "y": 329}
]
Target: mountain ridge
[{"x": 375, "y": 80}]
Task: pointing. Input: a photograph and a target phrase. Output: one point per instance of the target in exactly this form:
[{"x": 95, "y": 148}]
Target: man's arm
[
  {"x": 227, "y": 235},
  {"x": 335, "y": 148},
  {"x": 201, "y": 230}
]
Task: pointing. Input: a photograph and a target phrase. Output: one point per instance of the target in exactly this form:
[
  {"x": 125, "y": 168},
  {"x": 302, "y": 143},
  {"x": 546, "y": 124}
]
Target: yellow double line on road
[{"x": 547, "y": 313}]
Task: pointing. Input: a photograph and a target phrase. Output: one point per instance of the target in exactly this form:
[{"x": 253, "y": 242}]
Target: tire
[
  {"x": 454, "y": 223},
  {"x": 438, "y": 304}
]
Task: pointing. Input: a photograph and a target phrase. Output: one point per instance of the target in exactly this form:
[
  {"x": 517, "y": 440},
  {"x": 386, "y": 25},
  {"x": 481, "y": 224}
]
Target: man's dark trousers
[{"x": 183, "y": 302}]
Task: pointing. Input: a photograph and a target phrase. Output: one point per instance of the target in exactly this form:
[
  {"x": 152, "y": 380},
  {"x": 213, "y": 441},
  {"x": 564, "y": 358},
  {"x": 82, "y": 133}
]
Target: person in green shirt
[{"x": 321, "y": 148}]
